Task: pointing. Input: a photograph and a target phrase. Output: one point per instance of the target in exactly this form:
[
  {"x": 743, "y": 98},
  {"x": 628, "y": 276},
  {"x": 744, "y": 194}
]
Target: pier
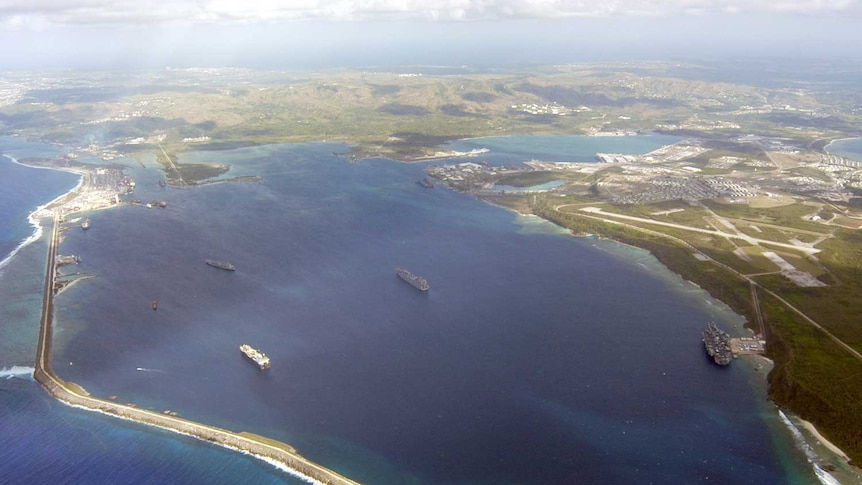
[
  {"x": 74, "y": 395},
  {"x": 747, "y": 346}
]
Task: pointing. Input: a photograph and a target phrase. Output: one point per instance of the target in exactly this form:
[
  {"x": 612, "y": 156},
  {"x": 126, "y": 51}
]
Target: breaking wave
[
  {"x": 34, "y": 221},
  {"x": 275, "y": 463},
  {"x": 822, "y": 475},
  {"x": 17, "y": 371}
]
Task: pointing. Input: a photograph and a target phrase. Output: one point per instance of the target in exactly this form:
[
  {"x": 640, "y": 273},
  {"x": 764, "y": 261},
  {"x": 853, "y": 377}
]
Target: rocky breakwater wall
[{"x": 75, "y": 395}]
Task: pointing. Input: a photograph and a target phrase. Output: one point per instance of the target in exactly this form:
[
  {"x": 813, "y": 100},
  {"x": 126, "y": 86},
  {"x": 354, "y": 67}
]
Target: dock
[
  {"x": 76, "y": 396},
  {"x": 747, "y": 346}
]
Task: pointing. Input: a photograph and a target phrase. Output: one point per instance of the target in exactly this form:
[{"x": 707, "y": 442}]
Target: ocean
[{"x": 535, "y": 358}]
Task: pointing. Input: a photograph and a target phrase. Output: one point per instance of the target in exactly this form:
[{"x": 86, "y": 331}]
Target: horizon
[{"x": 327, "y": 34}]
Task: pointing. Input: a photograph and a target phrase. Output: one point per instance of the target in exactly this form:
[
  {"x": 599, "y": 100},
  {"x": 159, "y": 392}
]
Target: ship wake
[
  {"x": 144, "y": 369},
  {"x": 17, "y": 372}
]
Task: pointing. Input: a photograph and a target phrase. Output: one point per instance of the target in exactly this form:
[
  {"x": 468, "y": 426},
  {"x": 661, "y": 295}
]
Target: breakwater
[{"x": 74, "y": 395}]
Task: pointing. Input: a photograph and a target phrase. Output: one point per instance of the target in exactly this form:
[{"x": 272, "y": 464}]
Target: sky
[{"x": 352, "y": 33}]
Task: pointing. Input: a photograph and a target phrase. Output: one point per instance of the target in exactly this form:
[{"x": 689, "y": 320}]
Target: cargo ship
[
  {"x": 220, "y": 264},
  {"x": 717, "y": 344},
  {"x": 255, "y": 356},
  {"x": 86, "y": 224},
  {"x": 418, "y": 282}
]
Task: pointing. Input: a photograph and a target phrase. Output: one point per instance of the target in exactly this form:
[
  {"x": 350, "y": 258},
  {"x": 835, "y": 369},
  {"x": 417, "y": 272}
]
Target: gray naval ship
[
  {"x": 418, "y": 282},
  {"x": 717, "y": 344},
  {"x": 220, "y": 264}
]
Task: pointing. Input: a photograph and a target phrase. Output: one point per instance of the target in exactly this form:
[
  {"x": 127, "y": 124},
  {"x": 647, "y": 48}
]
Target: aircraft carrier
[{"x": 717, "y": 344}]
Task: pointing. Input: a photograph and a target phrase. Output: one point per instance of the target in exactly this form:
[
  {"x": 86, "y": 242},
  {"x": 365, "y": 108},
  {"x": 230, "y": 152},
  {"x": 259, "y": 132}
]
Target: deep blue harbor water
[{"x": 536, "y": 358}]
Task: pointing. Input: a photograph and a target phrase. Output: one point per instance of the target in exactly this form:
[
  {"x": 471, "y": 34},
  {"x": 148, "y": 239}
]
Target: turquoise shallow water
[
  {"x": 535, "y": 358},
  {"x": 850, "y": 148},
  {"x": 561, "y": 148}
]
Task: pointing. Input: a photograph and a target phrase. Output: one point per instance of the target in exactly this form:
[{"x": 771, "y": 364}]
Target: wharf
[
  {"x": 74, "y": 395},
  {"x": 747, "y": 346}
]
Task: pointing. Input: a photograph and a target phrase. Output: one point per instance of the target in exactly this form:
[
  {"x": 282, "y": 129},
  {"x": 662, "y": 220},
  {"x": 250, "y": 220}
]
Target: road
[{"x": 177, "y": 170}]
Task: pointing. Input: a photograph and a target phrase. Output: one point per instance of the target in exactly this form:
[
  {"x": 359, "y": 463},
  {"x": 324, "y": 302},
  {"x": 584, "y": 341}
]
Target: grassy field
[{"x": 529, "y": 179}]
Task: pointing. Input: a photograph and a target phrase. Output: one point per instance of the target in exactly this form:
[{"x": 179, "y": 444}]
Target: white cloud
[{"x": 16, "y": 14}]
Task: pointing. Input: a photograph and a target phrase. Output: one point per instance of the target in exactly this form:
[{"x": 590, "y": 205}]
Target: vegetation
[
  {"x": 529, "y": 179},
  {"x": 723, "y": 285},
  {"x": 813, "y": 376},
  {"x": 368, "y": 109}
]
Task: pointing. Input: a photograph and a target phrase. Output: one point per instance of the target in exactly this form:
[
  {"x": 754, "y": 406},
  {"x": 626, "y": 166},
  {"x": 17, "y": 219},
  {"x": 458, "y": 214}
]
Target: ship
[
  {"x": 255, "y": 356},
  {"x": 717, "y": 344},
  {"x": 155, "y": 305},
  {"x": 220, "y": 264},
  {"x": 418, "y": 282},
  {"x": 86, "y": 224},
  {"x": 426, "y": 182}
]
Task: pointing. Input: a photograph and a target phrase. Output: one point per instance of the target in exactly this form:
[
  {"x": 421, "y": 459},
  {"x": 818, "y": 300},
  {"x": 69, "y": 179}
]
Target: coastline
[
  {"x": 839, "y": 139},
  {"x": 263, "y": 458},
  {"x": 33, "y": 218},
  {"x": 73, "y": 395},
  {"x": 823, "y": 441},
  {"x": 826, "y": 147},
  {"x": 819, "y": 457}
]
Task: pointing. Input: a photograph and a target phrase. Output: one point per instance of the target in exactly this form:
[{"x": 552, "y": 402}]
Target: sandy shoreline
[
  {"x": 823, "y": 441},
  {"x": 826, "y": 147}
]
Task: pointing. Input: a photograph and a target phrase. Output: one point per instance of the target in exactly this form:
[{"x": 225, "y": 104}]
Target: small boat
[
  {"x": 155, "y": 305},
  {"x": 86, "y": 224}
]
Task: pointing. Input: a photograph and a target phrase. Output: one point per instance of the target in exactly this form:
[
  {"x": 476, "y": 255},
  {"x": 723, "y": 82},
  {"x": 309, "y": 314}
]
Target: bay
[
  {"x": 535, "y": 357},
  {"x": 849, "y": 148}
]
